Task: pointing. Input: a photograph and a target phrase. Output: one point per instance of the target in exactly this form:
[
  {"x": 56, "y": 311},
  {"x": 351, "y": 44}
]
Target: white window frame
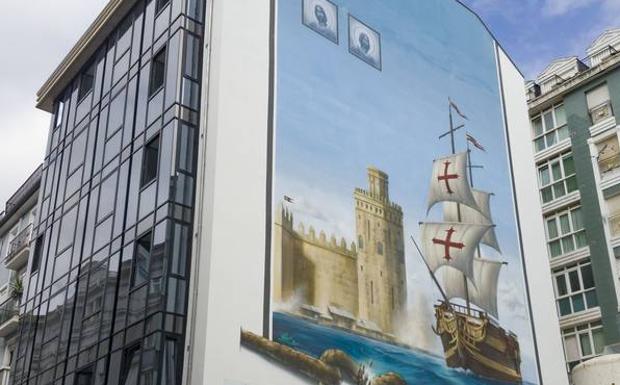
[
  {"x": 566, "y": 271},
  {"x": 560, "y": 237},
  {"x": 549, "y": 135},
  {"x": 576, "y": 332},
  {"x": 553, "y": 183}
]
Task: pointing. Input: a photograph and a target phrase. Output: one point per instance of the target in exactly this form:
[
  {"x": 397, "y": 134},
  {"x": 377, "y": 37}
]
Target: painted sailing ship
[{"x": 452, "y": 249}]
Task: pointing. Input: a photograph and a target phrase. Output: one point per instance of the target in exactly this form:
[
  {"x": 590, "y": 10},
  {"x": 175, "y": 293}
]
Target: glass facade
[{"x": 106, "y": 301}]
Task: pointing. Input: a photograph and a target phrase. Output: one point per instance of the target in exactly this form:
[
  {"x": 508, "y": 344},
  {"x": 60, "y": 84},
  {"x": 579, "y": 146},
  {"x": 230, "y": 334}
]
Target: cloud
[{"x": 561, "y": 7}]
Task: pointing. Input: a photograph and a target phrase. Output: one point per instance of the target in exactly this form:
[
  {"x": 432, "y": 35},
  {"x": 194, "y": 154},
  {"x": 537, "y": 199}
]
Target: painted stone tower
[{"x": 381, "y": 255}]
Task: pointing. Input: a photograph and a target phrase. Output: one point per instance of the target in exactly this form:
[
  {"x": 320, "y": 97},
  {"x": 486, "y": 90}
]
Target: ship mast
[
  {"x": 458, "y": 206},
  {"x": 470, "y": 168}
]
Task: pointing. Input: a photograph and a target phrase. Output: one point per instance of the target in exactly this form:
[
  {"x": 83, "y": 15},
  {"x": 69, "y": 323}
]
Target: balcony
[
  {"x": 19, "y": 248},
  {"x": 601, "y": 112},
  {"x": 9, "y": 318}
]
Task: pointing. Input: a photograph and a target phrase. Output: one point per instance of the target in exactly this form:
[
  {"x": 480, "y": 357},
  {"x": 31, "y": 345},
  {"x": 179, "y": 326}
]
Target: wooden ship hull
[{"x": 472, "y": 341}]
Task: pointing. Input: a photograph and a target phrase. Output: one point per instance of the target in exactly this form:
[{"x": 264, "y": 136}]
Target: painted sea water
[{"x": 417, "y": 368}]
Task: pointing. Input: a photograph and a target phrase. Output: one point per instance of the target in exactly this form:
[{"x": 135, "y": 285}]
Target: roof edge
[{"x": 87, "y": 45}]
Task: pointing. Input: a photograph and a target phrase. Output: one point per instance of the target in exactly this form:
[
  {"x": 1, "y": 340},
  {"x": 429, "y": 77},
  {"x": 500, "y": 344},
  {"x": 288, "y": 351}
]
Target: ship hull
[{"x": 471, "y": 341}]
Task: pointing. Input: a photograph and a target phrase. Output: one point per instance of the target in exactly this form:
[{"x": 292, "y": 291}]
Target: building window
[
  {"x": 171, "y": 368},
  {"x": 379, "y": 248},
  {"x": 608, "y": 155},
  {"x": 36, "y": 255},
  {"x": 599, "y": 104},
  {"x": 360, "y": 242},
  {"x": 60, "y": 110},
  {"x": 158, "y": 72},
  {"x": 87, "y": 81},
  {"x": 142, "y": 259},
  {"x": 574, "y": 289},
  {"x": 84, "y": 377},
  {"x": 557, "y": 177},
  {"x": 583, "y": 342},
  {"x": 160, "y": 4},
  {"x": 565, "y": 232},
  {"x": 131, "y": 366},
  {"x": 150, "y": 161},
  {"x": 549, "y": 127}
]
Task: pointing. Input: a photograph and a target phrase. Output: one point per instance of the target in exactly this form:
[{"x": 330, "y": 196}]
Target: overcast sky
[{"x": 35, "y": 35}]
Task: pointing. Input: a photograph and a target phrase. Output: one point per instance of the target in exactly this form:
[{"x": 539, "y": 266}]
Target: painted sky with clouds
[{"x": 336, "y": 116}]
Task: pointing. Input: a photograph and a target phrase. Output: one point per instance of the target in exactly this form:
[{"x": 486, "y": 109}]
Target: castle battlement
[
  {"x": 332, "y": 243},
  {"x": 376, "y": 197}
]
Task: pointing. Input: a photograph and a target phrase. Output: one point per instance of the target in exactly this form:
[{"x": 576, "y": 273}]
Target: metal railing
[
  {"x": 601, "y": 112},
  {"x": 21, "y": 240}
]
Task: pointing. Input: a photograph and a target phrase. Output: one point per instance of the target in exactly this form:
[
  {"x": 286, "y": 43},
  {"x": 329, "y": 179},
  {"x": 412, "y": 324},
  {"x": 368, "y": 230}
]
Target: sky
[
  {"x": 36, "y": 35},
  {"x": 337, "y": 115}
]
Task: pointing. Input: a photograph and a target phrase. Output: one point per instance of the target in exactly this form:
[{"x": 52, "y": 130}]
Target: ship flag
[
  {"x": 482, "y": 216},
  {"x": 449, "y": 182},
  {"x": 475, "y": 142},
  {"x": 482, "y": 290},
  {"x": 457, "y": 109},
  {"x": 451, "y": 244}
]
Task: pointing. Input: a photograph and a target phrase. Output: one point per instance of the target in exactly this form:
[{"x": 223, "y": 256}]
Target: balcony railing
[
  {"x": 9, "y": 310},
  {"x": 18, "y": 243},
  {"x": 614, "y": 225},
  {"x": 601, "y": 112}
]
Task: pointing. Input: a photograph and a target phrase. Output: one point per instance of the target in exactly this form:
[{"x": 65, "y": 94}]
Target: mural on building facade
[{"x": 392, "y": 196}]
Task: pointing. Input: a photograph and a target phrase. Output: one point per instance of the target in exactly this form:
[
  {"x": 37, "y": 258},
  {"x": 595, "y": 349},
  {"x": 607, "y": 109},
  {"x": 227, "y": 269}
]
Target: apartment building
[
  {"x": 16, "y": 244},
  {"x": 573, "y": 105}
]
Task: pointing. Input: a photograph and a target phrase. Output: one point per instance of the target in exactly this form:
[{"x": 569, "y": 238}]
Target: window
[
  {"x": 158, "y": 72},
  {"x": 60, "y": 110},
  {"x": 150, "y": 161},
  {"x": 574, "y": 289},
  {"x": 379, "y": 248},
  {"x": 583, "y": 342},
  {"x": 549, "y": 127},
  {"x": 87, "y": 80},
  {"x": 160, "y": 4},
  {"x": 170, "y": 370},
  {"x": 131, "y": 366},
  {"x": 360, "y": 242},
  {"x": 36, "y": 255},
  {"x": 599, "y": 104},
  {"x": 608, "y": 155},
  {"x": 565, "y": 232},
  {"x": 84, "y": 377},
  {"x": 142, "y": 259},
  {"x": 557, "y": 177}
]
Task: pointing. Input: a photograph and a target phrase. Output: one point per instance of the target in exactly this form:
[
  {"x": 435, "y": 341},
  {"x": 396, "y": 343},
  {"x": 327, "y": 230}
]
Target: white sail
[
  {"x": 482, "y": 216},
  {"x": 449, "y": 182},
  {"x": 451, "y": 244},
  {"x": 482, "y": 289}
]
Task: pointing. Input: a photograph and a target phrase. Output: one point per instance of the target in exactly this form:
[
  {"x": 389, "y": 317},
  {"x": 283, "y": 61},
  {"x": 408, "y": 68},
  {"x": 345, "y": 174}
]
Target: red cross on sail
[
  {"x": 451, "y": 244},
  {"x": 449, "y": 182}
]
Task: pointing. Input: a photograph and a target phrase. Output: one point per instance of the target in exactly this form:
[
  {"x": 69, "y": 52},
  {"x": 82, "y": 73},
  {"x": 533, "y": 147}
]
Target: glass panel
[
  {"x": 551, "y": 139},
  {"x": 568, "y": 244},
  {"x": 584, "y": 341},
  {"x": 560, "y": 115},
  {"x": 571, "y": 184},
  {"x": 565, "y": 224},
  {"x": 537, "y": 126},
  {"x": 169, "y": 374},
  {"x": 572, "y": 349},
  {"x": 591, "y": 299},
  {"x": 559, "y": 189},
  {"x": 599, "y": 340},
  {"x": 547, "y": 194},
  {"x": 556, "y": 170},
  {"x": 561, "y": 283},
  {"x": 565, "y": 306},
  {"x": 569, "y": 165},
  {"x": 578, "y": 303},
  {"x": 158, "y": 72},
  {"x": 548, "y": 118},
  {"x": 552, "y": 228},
  {"x": 544, "y": 177},
  {"x": 539, "y": 144},
  {"x": 131, "y": 366},
  {"x": 581, "y": 240},
  {"x": 587, "y": 277},
  {"x": 150, "y": 161},
  {"x": 555, "y": 248},
  {"x": 142, "y": 257},
  {"x": 573, "y": 277}
]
